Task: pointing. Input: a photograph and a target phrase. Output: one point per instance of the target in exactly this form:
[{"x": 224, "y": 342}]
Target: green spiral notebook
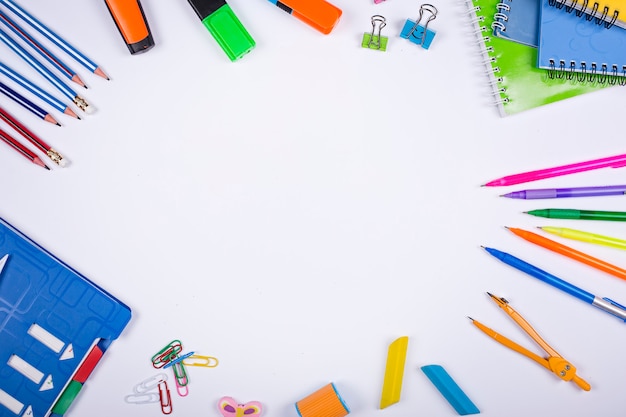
[{"x": 512, "y": 67}]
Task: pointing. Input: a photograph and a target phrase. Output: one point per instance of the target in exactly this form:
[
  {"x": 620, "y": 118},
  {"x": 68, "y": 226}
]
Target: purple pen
[{"x": 568, "y": 192}]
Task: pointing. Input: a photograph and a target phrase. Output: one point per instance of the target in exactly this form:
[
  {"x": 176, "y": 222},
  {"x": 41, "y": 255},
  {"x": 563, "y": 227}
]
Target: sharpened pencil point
[
  {"x": 470, "y": 318},
  {"x": 101, "y": 73}
]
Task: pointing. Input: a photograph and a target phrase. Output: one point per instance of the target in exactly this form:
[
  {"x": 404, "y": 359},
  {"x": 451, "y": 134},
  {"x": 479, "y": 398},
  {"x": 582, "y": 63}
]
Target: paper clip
[
  {"x": 180, "y": 374},
  {"x": 177, "y": 359},
  {"x": 420, "y": 34},
  {"x": 165, "y": 398},
  {"x": 378, "y": 1},
  {"x": 182, "y": 390},
  {"x": 166, "y": 354},
  {"x": 373, "y": 41},
  {"x": 146, "y": 398},
  {"x": 198, "y": 360},
  {"x": 150, "y": 383}
]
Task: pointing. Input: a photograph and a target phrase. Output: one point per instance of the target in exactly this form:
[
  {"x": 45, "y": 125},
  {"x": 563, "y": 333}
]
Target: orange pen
[
  {"x": 132, "y": 24},
  {"x": 318, "y": 14},
  {"x": 570, "y": 252}
]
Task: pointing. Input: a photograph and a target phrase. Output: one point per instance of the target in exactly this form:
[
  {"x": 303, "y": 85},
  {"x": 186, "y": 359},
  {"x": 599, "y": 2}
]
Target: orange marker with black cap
[
  {"x": 318, "y": 14},
  {"x": 132, "y": 24}
]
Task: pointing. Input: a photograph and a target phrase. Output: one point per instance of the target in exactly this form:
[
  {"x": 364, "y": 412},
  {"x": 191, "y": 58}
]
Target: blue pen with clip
[{"x": 604, "y": 304}]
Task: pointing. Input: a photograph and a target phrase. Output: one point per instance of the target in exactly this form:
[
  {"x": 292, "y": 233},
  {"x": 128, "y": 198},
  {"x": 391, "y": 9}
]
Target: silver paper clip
[{"x": 150, "y": 383}]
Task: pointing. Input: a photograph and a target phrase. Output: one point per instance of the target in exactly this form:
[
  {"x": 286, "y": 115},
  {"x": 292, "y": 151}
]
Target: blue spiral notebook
[
  {"x": 55, "y": 325},
  {"x": 517, "y": 21},
  {"x": 572, "y": 46}
]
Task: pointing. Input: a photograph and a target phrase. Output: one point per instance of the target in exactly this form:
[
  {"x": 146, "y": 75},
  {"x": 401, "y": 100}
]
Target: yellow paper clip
[
  {"x": 394, "y": 372},
  {"x": 554, "y": 362},
  {"x": 199, "y": 360}
]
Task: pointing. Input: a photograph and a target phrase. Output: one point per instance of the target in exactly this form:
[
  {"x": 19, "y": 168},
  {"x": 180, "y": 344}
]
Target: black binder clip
[
  {"x": 373, "y": 40},
  {"x": 417, "y": 33}
]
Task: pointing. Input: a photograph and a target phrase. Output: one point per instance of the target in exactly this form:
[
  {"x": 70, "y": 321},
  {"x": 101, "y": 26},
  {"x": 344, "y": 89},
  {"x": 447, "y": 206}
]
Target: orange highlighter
[
  {"x": 132, "y": 24},
  {"x": 318, "y": 14}
]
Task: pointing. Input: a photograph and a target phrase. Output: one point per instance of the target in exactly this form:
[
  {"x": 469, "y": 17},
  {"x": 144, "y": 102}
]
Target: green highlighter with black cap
[{"x": 219, "y": 19}]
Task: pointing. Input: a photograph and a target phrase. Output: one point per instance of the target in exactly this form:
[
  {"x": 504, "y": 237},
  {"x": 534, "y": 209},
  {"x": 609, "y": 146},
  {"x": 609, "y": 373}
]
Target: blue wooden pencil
[
  {"x": 36, "y": 90},
  {"x": 80, "y": 102},
  {"x": 56, "y": 39},
  {"x": 52, "y": 59},
  {"x": 27, "y": 104}
]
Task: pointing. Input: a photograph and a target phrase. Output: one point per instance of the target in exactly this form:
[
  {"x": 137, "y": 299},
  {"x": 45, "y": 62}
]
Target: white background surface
[{"x": 295, "y": 212}]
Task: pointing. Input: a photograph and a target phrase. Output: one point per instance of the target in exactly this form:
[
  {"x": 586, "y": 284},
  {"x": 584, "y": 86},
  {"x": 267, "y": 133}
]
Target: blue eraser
[
  {"x": 418, "y": 33},
  {"x": 450, "y": 390}
]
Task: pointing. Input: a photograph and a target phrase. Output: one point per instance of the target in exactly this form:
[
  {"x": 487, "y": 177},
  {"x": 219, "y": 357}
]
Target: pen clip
[{"x": 618, "y": 305}]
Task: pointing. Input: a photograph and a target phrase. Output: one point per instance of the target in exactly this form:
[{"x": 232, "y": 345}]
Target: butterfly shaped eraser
[{"x": 231, "y": 408}]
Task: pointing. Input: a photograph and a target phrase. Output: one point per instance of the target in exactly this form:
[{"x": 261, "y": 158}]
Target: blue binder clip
[{"x": 417, "y": 33}]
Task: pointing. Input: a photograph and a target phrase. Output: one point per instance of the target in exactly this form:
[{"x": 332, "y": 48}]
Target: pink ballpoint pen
[{"x": 617, "y": 161}]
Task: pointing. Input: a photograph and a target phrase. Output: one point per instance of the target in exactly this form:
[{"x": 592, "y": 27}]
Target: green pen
[
  {"x": 219, "y": 19},
  {"x": 572, "y": 214}
]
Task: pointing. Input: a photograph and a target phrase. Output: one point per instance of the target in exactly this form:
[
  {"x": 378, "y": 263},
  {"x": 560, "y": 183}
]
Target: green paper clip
[{"x": 373, "y": 40}]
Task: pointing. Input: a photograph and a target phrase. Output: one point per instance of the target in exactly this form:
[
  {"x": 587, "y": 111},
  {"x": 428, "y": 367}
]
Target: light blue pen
[{"x": 604, "y": 304}]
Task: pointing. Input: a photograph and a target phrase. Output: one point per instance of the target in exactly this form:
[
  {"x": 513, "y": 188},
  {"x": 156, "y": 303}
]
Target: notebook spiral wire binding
[
  {"x": 501, "y": 17},
  {"x": 582, "y": 10},
  {"x": 489, "y": 61},
  {"x": 588, "y": 74}
]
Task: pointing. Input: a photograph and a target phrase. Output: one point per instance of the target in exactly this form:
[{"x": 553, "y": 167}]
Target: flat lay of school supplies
[{"x": 56, "y": 324}]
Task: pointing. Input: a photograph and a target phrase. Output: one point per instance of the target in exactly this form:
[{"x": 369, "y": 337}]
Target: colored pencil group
[{"x": 28, "y": 48}]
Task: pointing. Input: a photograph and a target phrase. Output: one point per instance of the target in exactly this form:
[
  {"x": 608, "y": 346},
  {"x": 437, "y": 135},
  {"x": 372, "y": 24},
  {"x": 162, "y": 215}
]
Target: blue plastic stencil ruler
[{"x": 55, "y": 325}]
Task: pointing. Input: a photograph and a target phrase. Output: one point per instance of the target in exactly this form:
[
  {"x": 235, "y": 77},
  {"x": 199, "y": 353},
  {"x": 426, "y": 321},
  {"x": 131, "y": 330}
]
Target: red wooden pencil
[
  {"x": 27, "y": 153},
  {"x": 56, "y": 157}
]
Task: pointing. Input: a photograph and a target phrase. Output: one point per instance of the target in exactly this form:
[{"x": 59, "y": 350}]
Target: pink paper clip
[
  {"x": 182, "y": 390},
  {"x": 165, "y": 398},
  {"x": 378, "y": 1}
]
